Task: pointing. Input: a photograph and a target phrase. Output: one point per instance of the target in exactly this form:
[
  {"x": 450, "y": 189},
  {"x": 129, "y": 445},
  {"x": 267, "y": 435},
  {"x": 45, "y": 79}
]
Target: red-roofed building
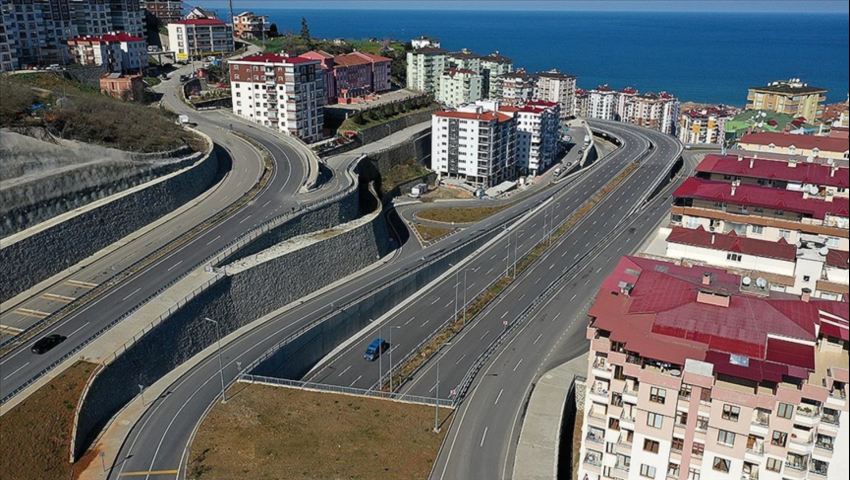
[
  {"x": 485, "y": 159},
  {"x": 831, "y": 180},
  {"x": 537, "y": 135},
  {"x": 804, "y": 145},
  {"x": 281, "y": 91},
  {"x": 352, "y": 76},
  {"x": 557, "y": 87},
  {"x": 743, "y": 379},
  {"x": 114, "y": 52},
  {"x": 199, "y": 37},
  {"x": 705, "y": 126}
]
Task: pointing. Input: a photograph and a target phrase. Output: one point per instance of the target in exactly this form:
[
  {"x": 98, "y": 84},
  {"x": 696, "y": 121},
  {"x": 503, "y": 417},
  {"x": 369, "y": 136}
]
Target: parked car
[
  {"x": 376, "y": 349},
  {"x": 47, "y": 343}
]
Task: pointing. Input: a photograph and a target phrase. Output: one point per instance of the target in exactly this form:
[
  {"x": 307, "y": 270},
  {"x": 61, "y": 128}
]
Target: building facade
[
  {"x": 557, "y": 87},
  {"x": 199, "y": 38},
  {"x": 602, "y": 103},
  {"x": 474, "y": 144},
  {"x": 425, "y": 67},
  {"x": 424, "y": 42},
  {"x": 115, "y": 52},
  {"x": 492, "y": 66},
  {"x": 658, "y": 112},
  {"x": 352, "y": 76},
  {"x": 538, "y": 127},
  {"x": 8, "y": 36},
  {"x": 800, "y": 145},
  {"x": 249, "y": 26},
  {"x": 693, "y": 374},
  {"x": 515, "y": 88},
  {"x": 705, "y": 126},
  {"x": 127, "y": 16},
  {"x": 281, "y": 92},
  {"x": 130, "y": 88},
  {"x": 459, "y": 87},
  {"x": 791, "y": 97},
  {"x": 92, "y": 17},
  {"x": 165, "y": 11}
]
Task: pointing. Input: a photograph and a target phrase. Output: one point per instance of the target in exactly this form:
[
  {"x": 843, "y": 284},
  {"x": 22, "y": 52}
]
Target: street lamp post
[
  {"x": 465, "y": 289},
  {"x": 516, "y": 245},
  {"x": 391, "y": 355},
  {"x": 220, "y": 363},
  {"x": 437, "y": 399}
]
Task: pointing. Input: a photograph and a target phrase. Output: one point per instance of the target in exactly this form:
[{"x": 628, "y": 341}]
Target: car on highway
[
  {"x": 47, "y": 343},
  {"x": 376, "y": 349}
]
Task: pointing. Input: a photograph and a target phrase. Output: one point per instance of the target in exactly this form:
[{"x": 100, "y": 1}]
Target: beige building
[
  {"x": 791, "y": 97},
  {"x": 693, "y": 375},
  {"x": 194, "y": 39},
  {"x": 785, "y": 143},
  {"x": 557, "y": 87}
]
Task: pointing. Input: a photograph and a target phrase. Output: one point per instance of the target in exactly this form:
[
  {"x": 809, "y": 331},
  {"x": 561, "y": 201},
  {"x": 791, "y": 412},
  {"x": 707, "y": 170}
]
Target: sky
[{"x": 732, "y": 6}]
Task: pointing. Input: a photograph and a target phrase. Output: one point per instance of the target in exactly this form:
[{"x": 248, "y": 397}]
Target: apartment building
[
  {"x": 37, "y": 30},
  {"x": 792, "y": 97},
  {"x": 706, "y": 126},
  {"x": 781, "y": 221},
  {"x": 425, "y": 67},
  {"x": 423, "y": 42},
  {"x": 127, "y": 16},
  {"x": 284, "y": 92},
  {"x": 492, "y": 66},
  {"x": 602, "y": 103},
  {"x": 8, "y": 34},
  {"x": 693, "y": 374},
  {"x": 464, "y": 60},
  {"x": 538, "y": 127},
  {"x": 557, "y": 87},
  {"x": 623, "y": 100},
  {"x": 784, "y": 143},
  {"x": 474, "y": 144},
  {"x": 115, "y": 52},
  {"x": 91, "y": 17},
  {"x": 351, "y": 76},
  {"x": 198, "y": 13},
  {"x": 459, "y": 87},
  {"x": 199, "y": 37},
  {"x": 580, "y": 103},
  {"x": 130, "y": 88},
  {"x": 165, "y": 11},
  {"x": 515, "y": 88},
  {"x": 250, "y": 26},
  {"x": 658, "y": 112},
  {"x": 326, "y": 64}
]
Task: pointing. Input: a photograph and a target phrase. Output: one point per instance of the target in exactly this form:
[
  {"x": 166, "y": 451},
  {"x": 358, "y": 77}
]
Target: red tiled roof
[
  {"x": 372, "y": 58},
  {"x": 487, "y": 116},
  {"x": 807, "y": 142},
  {"x": 541, "y": 103},
  {"x": 273, "y": 58},
  {"x": 780, "y": 250},
  {"x": 454, "y": 71},
  {"x": 765, "y": 197},
  {"x": 200, "y": 21},
  {"x": 662, "y": 319},
  {"x": 109, "y": 37},
  {"x": 812, "y": 173},
  {"x": 838, "y": 259}
]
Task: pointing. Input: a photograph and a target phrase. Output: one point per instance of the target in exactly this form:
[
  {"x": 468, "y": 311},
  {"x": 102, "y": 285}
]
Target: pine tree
[{"x": 305, "y": 29}]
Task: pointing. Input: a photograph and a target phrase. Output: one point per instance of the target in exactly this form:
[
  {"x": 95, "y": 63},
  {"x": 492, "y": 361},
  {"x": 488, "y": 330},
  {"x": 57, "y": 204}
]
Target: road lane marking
[
  {"x": 521, "y": 297},
  {"x": 79, "y": 283},
  {"x": 482, "y": 336},
  {"x": 499, "y": 396},
  {"x": 214, "y": 239},
  {"x": 574, "y": 297},
  {"x": 77, "y": 330},
  {"x": 266, "y": 204},
  {"x": 16, "y": 371},
  {"x": 149, "y": 472},
  {"x": 245, "y": 219},
  {"x": 448, "y": 305},
  {"x": 538, "y": 280},
  {"x": 355, "y": 381},
  {"x": 504, "y": 315},
  {"x": 175, "y": 265},
  {"x": 28, "y": 312},
  {"x": 489, "y": 272},
  {"x": 407, "y": 322},
  {"x": 459, "y": 360},
  {"x": 538, "y": 339},
  {"x": 426, "y": 323},
  {"x": 435, "y": 301},
  {"x": 556, "y": 316},
  {"x": 130, "y": 295},
  {"x": 517, "y": 365},
  {"x": 58, "y": 298},
  {"x": 483, "y": 437},
  {"x": 343, "y": 372}
]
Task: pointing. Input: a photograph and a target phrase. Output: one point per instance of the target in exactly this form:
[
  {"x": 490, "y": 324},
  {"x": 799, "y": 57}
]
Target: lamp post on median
[
  {"x": 391, "y": 355},
  {"x": 437, "y": 398},
  {"x": 516, "y": 244},
  {"x": 220, "y": 363}
]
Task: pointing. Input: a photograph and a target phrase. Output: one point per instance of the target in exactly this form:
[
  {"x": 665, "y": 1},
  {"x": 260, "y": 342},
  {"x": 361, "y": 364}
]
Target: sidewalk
[{"x": 537, "y": 451}]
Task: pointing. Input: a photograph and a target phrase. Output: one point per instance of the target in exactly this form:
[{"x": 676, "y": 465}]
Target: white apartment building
[
  {"x": 537, "y": 135},
  {"x": 515, "y": 88},
  {"x": 281, "y": 92},
  {"x": 658, "y": 112},
  {"x": 474, "y": 144},
  {"x": 459, "y": 87},
  {"x": 624, "y": 98},
  {"x": 705, "y": 126},
  {"x": 199, "y": 37},
  {"x": 492, "y": 66},
  {"x": 694, "y": 374},
  {"x": 115, "y": 52},
  {"x": 557, "y": 87},
  {"x": 423, "y": 42},
  {"x": 425, "y": 66},
  {"x": 464, "y": 60},
  {"x": 602, "y": 103}
]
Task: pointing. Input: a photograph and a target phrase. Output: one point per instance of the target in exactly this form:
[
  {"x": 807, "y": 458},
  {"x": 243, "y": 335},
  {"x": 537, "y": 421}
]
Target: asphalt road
[
  {"x": 485, "y": 431},
  {"x": 21, "y": 366},
  {"x": 160, "y": 440}
]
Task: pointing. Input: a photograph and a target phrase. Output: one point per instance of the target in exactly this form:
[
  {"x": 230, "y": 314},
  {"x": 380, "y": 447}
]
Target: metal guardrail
[{"x": 246, "y": 378}]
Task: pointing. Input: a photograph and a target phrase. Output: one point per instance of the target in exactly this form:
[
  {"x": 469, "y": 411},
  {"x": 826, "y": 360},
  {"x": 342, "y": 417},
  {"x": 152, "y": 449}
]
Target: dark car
[
  {"x": 376, "y": 349},
  {"x": 47, "y": 343}
]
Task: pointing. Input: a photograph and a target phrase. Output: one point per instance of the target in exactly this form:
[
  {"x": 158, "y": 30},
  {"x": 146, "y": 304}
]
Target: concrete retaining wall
[
  {"x": 376, "y": 133},
  {"x": 46, "y": 253},
  {"x": 235, "y": 300}
]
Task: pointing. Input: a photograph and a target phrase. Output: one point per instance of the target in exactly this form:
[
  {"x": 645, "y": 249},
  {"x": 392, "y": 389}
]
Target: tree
[
  {"x": 273, "y": 32},
  {"x": 305, "y": 29}
]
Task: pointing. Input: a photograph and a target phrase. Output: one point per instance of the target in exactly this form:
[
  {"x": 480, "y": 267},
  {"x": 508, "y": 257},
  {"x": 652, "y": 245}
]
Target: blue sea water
[{"x": 704, "y": 57}]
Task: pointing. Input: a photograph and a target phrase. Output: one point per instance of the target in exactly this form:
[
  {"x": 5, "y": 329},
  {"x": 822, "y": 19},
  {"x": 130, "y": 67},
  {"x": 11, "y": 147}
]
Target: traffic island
[{"x": 271, "y": 432}]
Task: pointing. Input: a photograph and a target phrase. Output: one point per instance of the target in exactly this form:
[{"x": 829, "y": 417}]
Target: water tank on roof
[
  {"x": 823, "y": 252},
  {"x": 761, "y": 283},
  {"x": 747, "y": 281}
]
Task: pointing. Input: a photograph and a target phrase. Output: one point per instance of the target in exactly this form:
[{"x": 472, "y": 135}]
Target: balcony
[
  {"x": 593, "y": 458},
  {"x": 595, "y": 437}
]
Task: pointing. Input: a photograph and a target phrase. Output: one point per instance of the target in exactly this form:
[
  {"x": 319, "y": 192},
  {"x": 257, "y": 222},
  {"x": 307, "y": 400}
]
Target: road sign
[
  {"x": 454, "y": 392},
  {"x": 505, "y": 323}
]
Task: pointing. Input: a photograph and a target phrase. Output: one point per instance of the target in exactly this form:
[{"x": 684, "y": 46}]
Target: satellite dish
[
  {"x": 810, "y": 159},
  {"x": 813, "y": 189},
  {"x": 830, "y": 161},
  {"x": 762, "y": 283},
  {"x": 823, "y": 252},
  {"x": 747, "y": 281}
]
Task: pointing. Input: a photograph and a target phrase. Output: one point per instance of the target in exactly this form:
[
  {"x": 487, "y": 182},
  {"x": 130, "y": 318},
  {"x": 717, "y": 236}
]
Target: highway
[
  {"x": 160, "y": 440},
  {"x": 20, "y": 366}
]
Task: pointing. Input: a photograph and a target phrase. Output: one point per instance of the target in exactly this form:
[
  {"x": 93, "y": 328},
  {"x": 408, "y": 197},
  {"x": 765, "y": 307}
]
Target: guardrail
[{"x": 282, "y": 382}]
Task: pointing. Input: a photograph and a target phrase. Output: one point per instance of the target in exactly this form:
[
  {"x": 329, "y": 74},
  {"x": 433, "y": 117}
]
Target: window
[
  {"x": 726, "y": 437},
  {"x": 721, "y": 464},
  {"x": 650, "y": 446},
  {"x": 673, "y": 470},
  {"x": 705, "y": 395},
  {"x": 698, "y": 449},
  {"x": 731, "y": 412},
  {"x": 833, "y": 242},
  {"x": 779, "y": 438},
  {"x": 785, "y": 410},
  {"x": 779, "y": 213},
  {"x": 654, "y": 420},
  {"x": 678, "y": 444},
  {"x": 733, "y": 257},
  {"x": 773, "y": 464},
  {"x": 623, "y": 462},
  {"x": 681, "y": 418},
  {"x": 647, "y": 471},
  {"x": 807, "y": 278},
  {"x": 685, "y": 391},
  {"x": 758, "y": 230},
  {"x": 693, "y": 474},
  {"x": 657, "y": 395}
]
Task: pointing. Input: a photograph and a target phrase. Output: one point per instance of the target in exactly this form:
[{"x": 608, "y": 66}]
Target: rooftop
[
  {"x": 793, "y": 87},
  {"x": 765, "y": 197},
  {"x": 484, "y": 116},
  {"x": 808, "y": 142},
  {"x": 275, "y": 58},
  {"x": 109, "y": 37},
  {"x": 670, "y": 314},
  {"x": 497, "y": 58},
  {"x": 430, "y": 50},
  {"x": 199, "y": 21},
  {"x": 731, "y": 242},
  {"x": 804, "y": 173},
  {"x": 555, "y": 74}
]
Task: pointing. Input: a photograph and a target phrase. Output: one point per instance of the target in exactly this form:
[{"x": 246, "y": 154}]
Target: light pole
[
  {"x": 437, "y": 399},
  {"x": 391, "y": 355},
  {"x": 465, "y": 289},
  {"x": 508, "y": 257},
  {"x": 220, "y": 363},
  {"x": 142, "y": 393},
  {"x": 516, "y": 244}
]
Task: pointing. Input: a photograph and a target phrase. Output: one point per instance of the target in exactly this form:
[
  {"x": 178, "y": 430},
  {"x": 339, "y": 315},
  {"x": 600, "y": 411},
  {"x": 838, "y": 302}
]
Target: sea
[{"x": 700, "y": 57}]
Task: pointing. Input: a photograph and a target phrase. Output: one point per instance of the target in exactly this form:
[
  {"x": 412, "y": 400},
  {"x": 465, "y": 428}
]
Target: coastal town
[{"x": 687, "y": 263}]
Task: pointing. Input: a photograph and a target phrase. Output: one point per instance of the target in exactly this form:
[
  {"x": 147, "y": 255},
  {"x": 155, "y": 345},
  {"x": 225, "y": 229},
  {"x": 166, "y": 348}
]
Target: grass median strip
[
  {"x": 428, "y": 233},
  {"x": 35, "y": 433},
  {"x": 478, "y": 304},
  {"x": 461, "y": 214},
  {"x": 275, "y": 432}
]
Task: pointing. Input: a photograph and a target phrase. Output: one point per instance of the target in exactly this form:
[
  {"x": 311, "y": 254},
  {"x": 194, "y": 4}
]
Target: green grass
[
  {"x": 429, "y": 233},
  {"x": 401, "y": 173},
  {"x": 461, "y": 214},
  {"x": 152, "y": 81}
]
